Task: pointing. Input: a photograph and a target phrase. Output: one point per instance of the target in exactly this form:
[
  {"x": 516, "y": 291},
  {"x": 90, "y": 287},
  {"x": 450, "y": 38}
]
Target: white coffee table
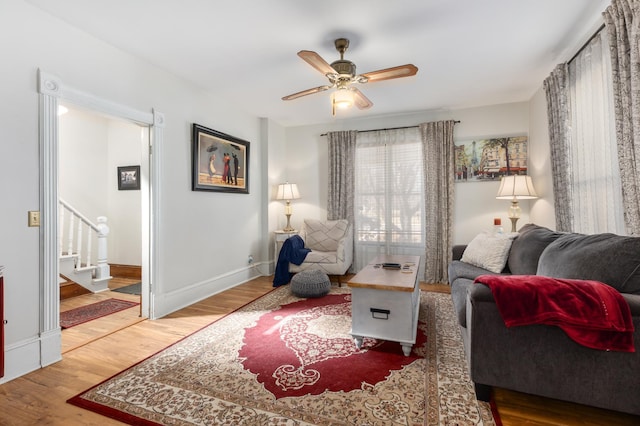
[{"x": 385, "y": 303}]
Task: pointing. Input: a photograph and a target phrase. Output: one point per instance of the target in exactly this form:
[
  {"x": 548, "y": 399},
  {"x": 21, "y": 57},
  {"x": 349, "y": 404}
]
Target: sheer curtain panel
[
  {"x": 389, "y": 195},
  {"x": 596, "y": 190}
]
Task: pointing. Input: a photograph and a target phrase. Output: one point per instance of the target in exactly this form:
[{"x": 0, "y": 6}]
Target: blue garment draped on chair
[{"x": 292, "y": 251}]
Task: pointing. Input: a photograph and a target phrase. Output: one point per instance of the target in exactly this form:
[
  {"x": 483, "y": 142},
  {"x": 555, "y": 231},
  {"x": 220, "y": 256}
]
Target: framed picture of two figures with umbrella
[{"x": 220, "y": 161}]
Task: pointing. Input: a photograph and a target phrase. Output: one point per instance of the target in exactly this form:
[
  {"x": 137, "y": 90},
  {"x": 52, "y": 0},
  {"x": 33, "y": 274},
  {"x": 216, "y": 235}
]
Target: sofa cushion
[
  {"x": 609, "y": 258},
  {"x": 488, "y": 251},
  {"x": 527, "y": 248}
]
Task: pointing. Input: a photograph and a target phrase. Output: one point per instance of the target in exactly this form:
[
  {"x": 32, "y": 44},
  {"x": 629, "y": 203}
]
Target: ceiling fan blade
[
  {"x": 389, "y": 73},
  {"x": 361, "y": 101},
  {"x": 316, "y": 61},
  {"x": 306, "y": 92}
]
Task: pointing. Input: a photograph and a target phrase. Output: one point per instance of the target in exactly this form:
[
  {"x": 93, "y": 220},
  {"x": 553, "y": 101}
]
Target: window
[
  {"x": 596, "y": 187},
  {"x": 389, "y": 194}
]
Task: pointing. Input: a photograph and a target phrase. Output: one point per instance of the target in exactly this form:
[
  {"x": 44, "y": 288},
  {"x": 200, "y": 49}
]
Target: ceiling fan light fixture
[
  {"x": 342, "y": 76},
  {"x": 342, "y": 98}
]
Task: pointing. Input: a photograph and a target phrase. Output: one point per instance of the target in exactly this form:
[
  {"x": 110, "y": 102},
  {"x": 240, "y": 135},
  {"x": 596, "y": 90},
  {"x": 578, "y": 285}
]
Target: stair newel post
[{"x": 102, "y": 270}]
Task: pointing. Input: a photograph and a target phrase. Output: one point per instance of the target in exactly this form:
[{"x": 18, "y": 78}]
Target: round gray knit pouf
[{"x": 314, "y": 283}]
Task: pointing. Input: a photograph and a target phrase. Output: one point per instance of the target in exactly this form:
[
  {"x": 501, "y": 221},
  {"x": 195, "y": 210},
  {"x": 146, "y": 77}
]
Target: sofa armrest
[
  {"x": 457, "y": 251},
  {"x": 634, "y": 303},
  {"x": 480, "y": 293}
]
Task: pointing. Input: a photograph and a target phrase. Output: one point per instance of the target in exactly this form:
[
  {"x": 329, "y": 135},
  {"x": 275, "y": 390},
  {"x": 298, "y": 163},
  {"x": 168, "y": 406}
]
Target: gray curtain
[
  {"x": 438, "y": 157},
  {"x": 555, "y": 87},
  {"x": 342, "y": 154},
  {"x": 622, "y": 22}
]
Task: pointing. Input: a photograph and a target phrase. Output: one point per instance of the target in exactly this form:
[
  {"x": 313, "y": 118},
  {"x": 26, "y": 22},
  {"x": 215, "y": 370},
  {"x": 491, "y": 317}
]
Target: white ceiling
[{"x": 469, "y": 52}]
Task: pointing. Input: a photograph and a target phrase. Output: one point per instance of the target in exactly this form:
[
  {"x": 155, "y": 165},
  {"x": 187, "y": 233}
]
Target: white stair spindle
[
  {"x": 88, "y": 256},
  {"x": 79, "y": 246},
  {"x": 70, "y": 248}
]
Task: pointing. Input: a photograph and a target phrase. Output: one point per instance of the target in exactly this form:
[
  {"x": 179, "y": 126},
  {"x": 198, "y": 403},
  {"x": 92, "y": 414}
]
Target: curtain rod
[
  {"x": 586, "y": 43},
  {"x": 389, "y": 128}
]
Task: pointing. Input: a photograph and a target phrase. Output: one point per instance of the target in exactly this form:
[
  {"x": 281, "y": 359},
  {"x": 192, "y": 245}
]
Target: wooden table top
[{"x": 375, "y": 277}]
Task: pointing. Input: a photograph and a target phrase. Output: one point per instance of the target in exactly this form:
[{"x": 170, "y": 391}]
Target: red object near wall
[{"x": 1, "y": 326}]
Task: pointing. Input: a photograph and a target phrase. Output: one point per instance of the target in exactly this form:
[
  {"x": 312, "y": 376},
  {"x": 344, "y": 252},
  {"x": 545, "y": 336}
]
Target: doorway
[
  {"x": 52, "y": 93},
  {"x": 93, "y": 150}
]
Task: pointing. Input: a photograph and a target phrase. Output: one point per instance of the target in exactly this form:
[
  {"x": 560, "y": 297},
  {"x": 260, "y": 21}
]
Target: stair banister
[{"x": 102, "y": 269}]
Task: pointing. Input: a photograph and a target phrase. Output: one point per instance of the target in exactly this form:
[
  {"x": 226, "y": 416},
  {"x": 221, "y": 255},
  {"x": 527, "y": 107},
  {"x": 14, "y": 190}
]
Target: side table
[{"x": 280, "y": 238}]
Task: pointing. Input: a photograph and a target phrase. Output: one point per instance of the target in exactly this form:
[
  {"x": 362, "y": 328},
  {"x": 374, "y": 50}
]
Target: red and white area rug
[{"x": 289, "y": 361}]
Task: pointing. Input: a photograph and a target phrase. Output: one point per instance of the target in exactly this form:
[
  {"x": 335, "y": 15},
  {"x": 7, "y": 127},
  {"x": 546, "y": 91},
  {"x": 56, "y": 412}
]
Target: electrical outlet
[
  {"x": 34, "y": 218},
  {"x": 250, "y": 259}
]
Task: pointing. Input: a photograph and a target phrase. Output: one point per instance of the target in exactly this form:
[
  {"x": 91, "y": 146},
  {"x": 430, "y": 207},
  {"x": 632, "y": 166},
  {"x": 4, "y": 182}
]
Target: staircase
[{"x": 76, "y": 248}]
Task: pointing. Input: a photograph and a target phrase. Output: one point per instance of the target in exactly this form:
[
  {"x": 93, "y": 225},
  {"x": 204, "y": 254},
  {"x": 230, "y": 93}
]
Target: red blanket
[{"x": 590, "y": 312}]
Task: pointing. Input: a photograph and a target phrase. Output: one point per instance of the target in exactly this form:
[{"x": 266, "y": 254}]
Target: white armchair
[{"x": 331, "y": 244}]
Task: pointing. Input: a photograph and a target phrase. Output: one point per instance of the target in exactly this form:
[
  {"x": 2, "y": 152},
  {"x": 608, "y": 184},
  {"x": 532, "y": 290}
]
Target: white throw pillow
[{"x": 489, "y": 251}]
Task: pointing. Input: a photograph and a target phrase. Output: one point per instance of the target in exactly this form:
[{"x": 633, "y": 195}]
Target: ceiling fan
[{"x": 342, "y": 75}]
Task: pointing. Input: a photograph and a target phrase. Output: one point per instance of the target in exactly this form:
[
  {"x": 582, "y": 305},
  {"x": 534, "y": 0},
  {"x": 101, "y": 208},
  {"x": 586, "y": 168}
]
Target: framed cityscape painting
[
  {"x": 220, "y": 162},
  {"x": 487, "y": 160}
]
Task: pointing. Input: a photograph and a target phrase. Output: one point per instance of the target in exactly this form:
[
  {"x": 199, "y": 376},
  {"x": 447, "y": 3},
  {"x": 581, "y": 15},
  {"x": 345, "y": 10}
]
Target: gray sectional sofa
[{"x": 541, "y": 359}]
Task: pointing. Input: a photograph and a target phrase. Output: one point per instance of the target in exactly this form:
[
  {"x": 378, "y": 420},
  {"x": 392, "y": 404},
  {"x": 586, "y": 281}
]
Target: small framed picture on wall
[{"x": 128, "y": 178}]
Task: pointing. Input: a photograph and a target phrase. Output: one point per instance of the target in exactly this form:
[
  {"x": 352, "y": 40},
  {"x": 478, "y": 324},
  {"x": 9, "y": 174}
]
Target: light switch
[{"x": 34, "y": 218}]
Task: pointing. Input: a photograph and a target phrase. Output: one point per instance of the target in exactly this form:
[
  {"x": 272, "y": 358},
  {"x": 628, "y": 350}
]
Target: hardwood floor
[
  {"x": 107, "y": 348},
  {"x": 88, "y": 332}
]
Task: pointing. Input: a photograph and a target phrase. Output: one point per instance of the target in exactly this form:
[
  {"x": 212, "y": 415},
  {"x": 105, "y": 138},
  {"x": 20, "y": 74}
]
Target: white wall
[
  {"x": 82, "y": 159},
  {"x": 475, "y": 204},
  {"x": 124, "y": 206},
  {"x": 278, "y": 173},
  {"x": 204, "y": 237},
  {"x": 542, "y": 209},
  {"x": 91, "y": 147}
]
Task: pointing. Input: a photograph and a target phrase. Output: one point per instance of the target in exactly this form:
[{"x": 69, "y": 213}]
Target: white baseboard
[
  {"x": 165, "y": 304},
  {"x": 21, "y": 358}
]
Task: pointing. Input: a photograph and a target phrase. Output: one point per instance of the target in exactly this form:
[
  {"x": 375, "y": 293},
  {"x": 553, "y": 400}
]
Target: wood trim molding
[
  {"x": 51, "y": 91},
  {"x": 126, "y": 271}
]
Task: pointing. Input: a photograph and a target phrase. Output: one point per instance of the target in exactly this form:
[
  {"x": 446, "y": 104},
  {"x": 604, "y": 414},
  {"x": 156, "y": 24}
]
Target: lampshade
[
  {"x": 287, "y": 191},
  {"x": 514, "y": 188},
  {"x": 517, "y": 187},
  {"x": 342, "y": 98}
]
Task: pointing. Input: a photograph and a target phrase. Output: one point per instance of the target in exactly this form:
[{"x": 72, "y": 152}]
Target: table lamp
[
  {"x": 288, "y": 191},
  {"x": 514, "y": 188}
]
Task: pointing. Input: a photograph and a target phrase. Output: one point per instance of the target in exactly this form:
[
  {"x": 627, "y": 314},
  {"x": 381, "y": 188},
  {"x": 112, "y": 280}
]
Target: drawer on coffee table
[{"x": 385, "y": 314}]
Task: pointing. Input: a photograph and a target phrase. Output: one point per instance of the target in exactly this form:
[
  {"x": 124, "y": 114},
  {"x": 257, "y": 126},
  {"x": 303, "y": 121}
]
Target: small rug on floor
[
  {"x": 290, "y": 361},
  {"x": 130, "y": 289},
  {"x": 93, "y": 311}
]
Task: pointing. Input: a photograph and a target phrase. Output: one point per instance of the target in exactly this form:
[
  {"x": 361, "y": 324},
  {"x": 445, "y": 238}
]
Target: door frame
[{"x": 51, "y": 91}]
